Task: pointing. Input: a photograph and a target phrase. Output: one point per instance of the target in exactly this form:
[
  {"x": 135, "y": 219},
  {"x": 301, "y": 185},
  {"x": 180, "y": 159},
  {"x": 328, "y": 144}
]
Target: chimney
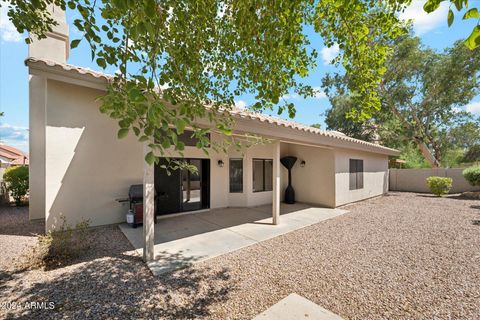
[{"x": 56, "y": 46}]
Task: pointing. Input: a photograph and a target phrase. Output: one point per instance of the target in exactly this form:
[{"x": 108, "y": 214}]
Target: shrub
[
  {"x": 439, "y": 185},
  {"x": 16, "y": 181},
  {"x": 472, "y": 175},
  {"x": 58, "y": 247}
]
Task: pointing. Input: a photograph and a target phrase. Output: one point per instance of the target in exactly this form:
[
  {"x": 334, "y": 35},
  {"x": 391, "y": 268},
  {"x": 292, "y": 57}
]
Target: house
[
  {"x": 10, "y": 156},
  {"x": 78, "y": 166}
]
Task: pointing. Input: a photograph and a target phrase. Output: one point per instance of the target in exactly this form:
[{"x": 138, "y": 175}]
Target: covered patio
[{"x": 182, "y": 240}]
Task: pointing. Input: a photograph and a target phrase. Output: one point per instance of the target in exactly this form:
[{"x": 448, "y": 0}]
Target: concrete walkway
[
  {"x": 295, "y": 307},
  {"x": 183, "y": 240}
]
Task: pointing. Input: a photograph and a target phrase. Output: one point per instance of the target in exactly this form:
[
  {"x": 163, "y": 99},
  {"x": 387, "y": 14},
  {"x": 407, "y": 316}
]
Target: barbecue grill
[{"x": 135, "y": 198}]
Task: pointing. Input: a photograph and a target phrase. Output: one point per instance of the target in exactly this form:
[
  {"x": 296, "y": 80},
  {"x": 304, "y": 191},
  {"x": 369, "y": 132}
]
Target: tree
[
  {"x": 337, "y": 119},
  {"x": 208, "y": 52},
  {"x": 421, "y": 92},
  {"x": 316, "y": 125},
  {"x": 472, "y": 155}
]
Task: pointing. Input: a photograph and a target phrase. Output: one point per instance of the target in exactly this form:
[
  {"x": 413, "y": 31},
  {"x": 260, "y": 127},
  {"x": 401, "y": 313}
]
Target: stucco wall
[
  {"x": 36, "y": 168},
  {"x": 414, "y": 180},
  {"x": 79, "y": 167},
  {"x": 375, "y": 176},
  {"x": 315, "y": 182},
  {"x": 87, "y": 167}
]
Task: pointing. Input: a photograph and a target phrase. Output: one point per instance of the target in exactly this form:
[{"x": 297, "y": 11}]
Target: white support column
[
  {"x": 276, "y": 184},
  {"x": 148, "y": 209}
]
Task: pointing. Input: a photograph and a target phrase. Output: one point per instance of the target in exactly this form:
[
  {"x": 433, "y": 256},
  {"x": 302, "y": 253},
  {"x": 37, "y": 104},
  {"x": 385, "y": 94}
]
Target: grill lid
[{"x": 136, "y": 192}]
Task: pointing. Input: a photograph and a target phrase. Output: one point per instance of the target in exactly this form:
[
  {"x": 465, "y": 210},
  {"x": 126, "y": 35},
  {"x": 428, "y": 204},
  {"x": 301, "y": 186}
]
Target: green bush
[
  {"x": 472, "y": 175},
  {"x": 16, "y": 181},
  {"x": 439, "y": 185}
]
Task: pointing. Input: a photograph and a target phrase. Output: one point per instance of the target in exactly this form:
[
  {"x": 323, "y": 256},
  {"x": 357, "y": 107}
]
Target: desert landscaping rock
[{"x": 401, "y": 256}]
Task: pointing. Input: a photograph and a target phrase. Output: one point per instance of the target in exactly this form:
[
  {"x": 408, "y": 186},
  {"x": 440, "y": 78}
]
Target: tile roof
[
  {"x": 241, "y": 113},
  {"x": 13, "y": 154},
  {"x": 68, "y": 68}
]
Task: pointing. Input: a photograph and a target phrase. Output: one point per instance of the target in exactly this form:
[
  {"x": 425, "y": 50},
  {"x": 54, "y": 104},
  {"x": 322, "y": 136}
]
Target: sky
[{"x": 431, "y": 28}]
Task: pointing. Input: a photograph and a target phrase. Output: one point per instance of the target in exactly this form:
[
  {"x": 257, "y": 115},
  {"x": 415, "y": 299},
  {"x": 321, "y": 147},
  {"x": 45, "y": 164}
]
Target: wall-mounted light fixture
[
  {"x": 220, "y": 163},
  {"x": 302, "y": 163}
]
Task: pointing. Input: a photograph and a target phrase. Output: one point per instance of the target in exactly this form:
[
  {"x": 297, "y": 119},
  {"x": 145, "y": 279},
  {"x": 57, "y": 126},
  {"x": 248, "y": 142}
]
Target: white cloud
[
  {"x": 328, "y": 54},
  {"x": 424, "y": 22},
  {"x": 8, "y": 33},
  {"x": 473, "y": 107},
  {"x": 290, "y": 96},
  {"x": 240, "y": 104},
  {"x": 15, "y": 134},
  {"x": 318, "y": 94}
]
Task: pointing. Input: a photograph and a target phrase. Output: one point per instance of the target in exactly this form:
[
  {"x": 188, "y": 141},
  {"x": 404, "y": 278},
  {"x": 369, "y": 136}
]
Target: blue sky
[{"x": 14, "y": 76}]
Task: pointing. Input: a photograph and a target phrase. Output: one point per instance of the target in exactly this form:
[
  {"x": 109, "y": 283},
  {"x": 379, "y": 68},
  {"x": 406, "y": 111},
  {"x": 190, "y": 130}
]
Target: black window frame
[
  {"x": 263, "y": 178},
  {"x": 356, "y": 174},
  {"x": 230, "y": 175}
]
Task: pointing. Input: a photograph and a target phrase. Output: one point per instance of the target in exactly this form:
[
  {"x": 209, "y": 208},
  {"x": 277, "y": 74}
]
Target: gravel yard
[{"x": 400, "y": 256}]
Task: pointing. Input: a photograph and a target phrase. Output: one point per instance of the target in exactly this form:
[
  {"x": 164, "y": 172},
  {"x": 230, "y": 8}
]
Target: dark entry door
[
  {"x": 183, "y": 190},
  {"x": 167, "y": 187}
]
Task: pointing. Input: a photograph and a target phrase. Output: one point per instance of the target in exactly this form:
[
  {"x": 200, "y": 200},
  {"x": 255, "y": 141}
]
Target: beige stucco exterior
[
  {"x": 78, "y": 167},
  {"x": 375, "y": 176}
]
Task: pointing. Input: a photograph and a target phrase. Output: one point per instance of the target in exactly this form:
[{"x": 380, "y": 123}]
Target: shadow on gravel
[
  {"x": 475, "y": 207},
  {"x": 476, "y": 222},
  {"x": 14, "y": 221},
  {"x": 122, "y": 287}
]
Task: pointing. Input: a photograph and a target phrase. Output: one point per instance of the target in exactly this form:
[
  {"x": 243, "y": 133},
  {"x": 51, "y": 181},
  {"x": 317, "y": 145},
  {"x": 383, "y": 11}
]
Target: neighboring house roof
[
  {"x": 85, "y": 74},
  {"x": 13, "y": 155}
]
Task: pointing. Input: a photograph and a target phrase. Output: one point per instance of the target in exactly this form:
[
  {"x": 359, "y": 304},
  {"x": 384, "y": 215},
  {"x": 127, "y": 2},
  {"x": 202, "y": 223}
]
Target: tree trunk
[{"x": 427, "y": 154}]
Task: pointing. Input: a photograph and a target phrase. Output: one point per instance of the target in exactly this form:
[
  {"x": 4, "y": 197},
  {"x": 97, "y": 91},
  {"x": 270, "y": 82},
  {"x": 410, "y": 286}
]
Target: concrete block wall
[{"x": 414, "y": 180}]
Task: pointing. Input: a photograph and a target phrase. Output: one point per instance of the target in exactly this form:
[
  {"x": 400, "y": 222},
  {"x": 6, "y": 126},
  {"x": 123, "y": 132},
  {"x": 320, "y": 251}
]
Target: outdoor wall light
[
  {"x": 220, "y": 163},
  {"x": 302, "y": 163}
]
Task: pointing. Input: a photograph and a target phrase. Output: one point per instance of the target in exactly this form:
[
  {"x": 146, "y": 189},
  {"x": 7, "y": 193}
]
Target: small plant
[
  {"x": 61, "y": 245},
  {"x": 472, "y": 175},
  {"x": 439, "y": 186},
  {"x": 16, "y": 180}
]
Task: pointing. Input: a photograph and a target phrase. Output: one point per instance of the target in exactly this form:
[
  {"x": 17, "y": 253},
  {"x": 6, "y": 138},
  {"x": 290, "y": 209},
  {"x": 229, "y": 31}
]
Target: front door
[{"x": 182, "y": 190}]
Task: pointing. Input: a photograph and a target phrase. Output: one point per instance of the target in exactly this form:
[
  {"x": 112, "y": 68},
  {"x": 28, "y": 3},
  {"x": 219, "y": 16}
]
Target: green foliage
[
  {"x": 209, "y": 52},
  {"x": 473, "y": 41},
  {"x": 452, "y": 158},
  {"x": 439, "y": 186},
  {"x": 16, "y": 180},
  {"x": 337, "y": 119},
  {"x": 177, "y": 57},
  {"x": 472, "y": 175},
  {"x": 363, "y": 31},
  {"x": 413, "y": 157},
  {"x": 316, "y": 125},
  {"x": 421, "y": 93},
  {"x": 472, "y": 154}
]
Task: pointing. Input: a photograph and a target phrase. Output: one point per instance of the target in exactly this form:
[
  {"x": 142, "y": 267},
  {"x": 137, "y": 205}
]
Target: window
[
  {"x": 262, "y": 175},
  {"x": 356, "y": 174},
  {"x": 187, "y": 138},
  {"x": 236, "y": 175}
]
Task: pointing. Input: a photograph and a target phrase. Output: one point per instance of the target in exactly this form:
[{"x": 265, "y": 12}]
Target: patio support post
[
  {"x": 148, "y": 209},
  {"x": 276, "y": 184}
]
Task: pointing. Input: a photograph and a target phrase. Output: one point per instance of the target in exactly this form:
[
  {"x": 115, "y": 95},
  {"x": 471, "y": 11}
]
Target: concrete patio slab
[
  {"x": 183, "y": 240},
  {"x": 295, "y": 307}
]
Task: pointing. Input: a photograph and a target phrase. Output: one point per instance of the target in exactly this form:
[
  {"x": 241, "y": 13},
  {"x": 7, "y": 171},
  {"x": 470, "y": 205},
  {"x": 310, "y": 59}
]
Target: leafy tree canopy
[
  {"x": 208, "y": 52},
  {"x": 421, "y": 94}
]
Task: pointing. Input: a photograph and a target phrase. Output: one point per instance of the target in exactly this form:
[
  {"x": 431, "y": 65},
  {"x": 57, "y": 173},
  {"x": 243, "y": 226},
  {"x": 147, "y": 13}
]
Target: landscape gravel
[{"x": 400, "y": 256}]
